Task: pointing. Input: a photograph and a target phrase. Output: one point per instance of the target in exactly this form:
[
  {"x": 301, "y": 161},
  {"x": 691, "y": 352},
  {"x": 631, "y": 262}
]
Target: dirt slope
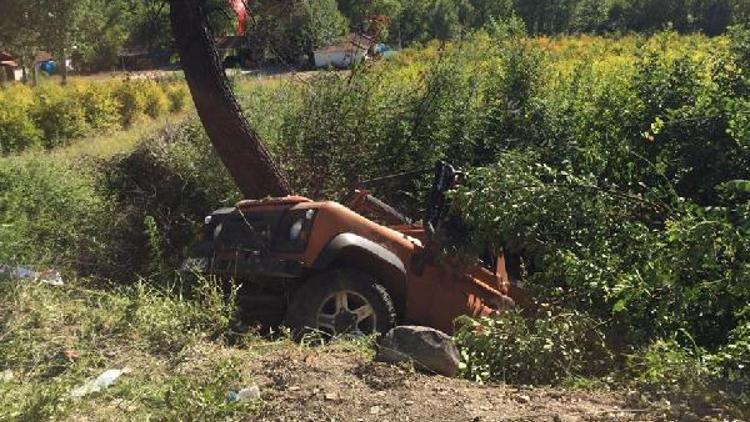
[{"x": 308, "y": 385}]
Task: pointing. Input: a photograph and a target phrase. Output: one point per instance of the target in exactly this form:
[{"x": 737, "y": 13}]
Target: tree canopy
[{"x": 94, "y": 32}]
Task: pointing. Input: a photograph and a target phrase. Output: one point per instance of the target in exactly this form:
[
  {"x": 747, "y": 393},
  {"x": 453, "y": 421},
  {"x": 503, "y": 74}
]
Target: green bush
[
  {"x": 733, "y": 359},
  {"x": 17, "y": 128},
  {"x": 163, "y": 190},
  {"x": 132, "y": 102},
  {"x": 99, "y": 104},
  {"x": 178, "y": 96},
  {"x": 156, "y": 102},
  {"x": 692, "y": 378},
  {"x": 51, "y": 214},
  {"x": 668, "y": 366},
  {"x": 59, "y": 114},
  {"x": 51, "y": 115},
  {"x": 515, "y": 350}
]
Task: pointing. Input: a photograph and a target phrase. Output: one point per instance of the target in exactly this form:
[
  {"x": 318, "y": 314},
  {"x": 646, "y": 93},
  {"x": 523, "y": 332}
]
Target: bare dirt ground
[{"x": 305, "y": 385}]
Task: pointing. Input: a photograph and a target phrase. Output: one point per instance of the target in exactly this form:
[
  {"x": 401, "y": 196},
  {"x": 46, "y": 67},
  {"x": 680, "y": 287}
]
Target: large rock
[{"x": 431, "y": 350}]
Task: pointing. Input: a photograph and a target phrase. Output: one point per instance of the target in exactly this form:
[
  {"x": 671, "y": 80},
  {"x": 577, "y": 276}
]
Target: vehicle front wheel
[{"x": 341, "y": 302}]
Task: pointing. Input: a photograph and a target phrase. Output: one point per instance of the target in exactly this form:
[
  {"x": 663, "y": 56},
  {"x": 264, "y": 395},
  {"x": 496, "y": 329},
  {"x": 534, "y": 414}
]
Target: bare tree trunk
[{"x": 237, "y": 144}]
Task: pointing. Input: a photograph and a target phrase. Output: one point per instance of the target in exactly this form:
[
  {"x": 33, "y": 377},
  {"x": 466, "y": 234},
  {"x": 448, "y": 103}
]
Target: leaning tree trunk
[{"x": 237, "y": 144}]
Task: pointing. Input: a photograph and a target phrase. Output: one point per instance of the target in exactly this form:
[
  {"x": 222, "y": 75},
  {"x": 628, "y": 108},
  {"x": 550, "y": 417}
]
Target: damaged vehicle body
[{"x": 326, "y": 267}]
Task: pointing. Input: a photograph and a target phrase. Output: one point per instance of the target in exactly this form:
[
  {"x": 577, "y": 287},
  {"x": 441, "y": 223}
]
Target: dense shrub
[
  {"x": 51, "y": 115},
  {"x": 733, "y": 360},
  {"x": 542, "y": 351},
  {"x": 50, "y": 214},
  {"x": 607, "y": 165},
  {"x": 59, "y": 114},
  {"x": 155, "y": 102},
  {"x": 178, "y": 96},
  {"x": 59, "y": 213},
  {"x": 163, "y": 189},
  {"x": 99, "y": 105},
  {"x": 17, "y": 128},
  {"x": 132, "y": 102},
  {"x": 668, "y": 368}
]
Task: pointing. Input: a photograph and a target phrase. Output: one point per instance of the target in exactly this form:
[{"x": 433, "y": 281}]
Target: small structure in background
[
  {"x": 344, "y": 53},
  {"x": 47, "y": 64},
  {"x": 234, "y": 51},
  {"x": 136, "y": 57},
  {"x": 9, "y": 69}
]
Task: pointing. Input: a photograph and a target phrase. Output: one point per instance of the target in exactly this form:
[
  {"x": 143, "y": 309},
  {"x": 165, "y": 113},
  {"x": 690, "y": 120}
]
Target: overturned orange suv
[{"x": 331, "y": 268}]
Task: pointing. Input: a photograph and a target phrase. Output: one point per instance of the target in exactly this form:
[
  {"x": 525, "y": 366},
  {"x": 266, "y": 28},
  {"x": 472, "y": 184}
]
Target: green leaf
[{"x": 620, "y": 306}]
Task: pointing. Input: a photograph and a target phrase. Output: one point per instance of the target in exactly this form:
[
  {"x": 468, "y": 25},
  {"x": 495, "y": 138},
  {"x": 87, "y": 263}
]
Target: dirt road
[{"x": 305, "y": 385}]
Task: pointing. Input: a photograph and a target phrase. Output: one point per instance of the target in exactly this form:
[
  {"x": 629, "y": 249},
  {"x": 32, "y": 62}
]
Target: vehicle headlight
[{"x": 296, "y": 229}]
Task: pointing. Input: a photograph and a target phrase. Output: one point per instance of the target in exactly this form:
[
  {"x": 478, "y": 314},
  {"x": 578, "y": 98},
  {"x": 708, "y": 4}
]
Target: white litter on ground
[
  {"x": 99, "y": 383},
  {"x": 51, "y": 277}
]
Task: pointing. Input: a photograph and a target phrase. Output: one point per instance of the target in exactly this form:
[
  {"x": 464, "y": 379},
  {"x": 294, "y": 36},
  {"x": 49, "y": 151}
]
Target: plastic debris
[
  {"x": 99, "y": 383},
  {"x": 250, "y": 393},
  {"x": 51, "y": 277},
  {"x": 70, "y": 355}
]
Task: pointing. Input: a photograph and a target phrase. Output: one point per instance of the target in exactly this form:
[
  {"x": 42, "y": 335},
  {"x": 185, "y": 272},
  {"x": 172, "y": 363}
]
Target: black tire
[{"x": 319, "y": 298}]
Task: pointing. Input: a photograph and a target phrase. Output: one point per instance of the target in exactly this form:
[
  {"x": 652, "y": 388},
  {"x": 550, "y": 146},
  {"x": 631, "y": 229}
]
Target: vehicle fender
[{"x": 352, "y": 250}]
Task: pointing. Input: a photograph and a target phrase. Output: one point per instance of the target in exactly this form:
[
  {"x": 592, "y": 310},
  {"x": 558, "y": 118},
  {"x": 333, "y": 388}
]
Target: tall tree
[
  {"x": 482, "y": 11},
  {"x": 322, "y": 23},
  {"x": 237, "y": 144},
  {"x": 20, "y": 35},
  {"x": 288, "y": 29},
  {"x": 62, "y": 28}
]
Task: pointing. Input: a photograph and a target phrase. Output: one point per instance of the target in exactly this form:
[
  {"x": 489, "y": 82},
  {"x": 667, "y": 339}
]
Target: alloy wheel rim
[{"x": 346, "y": 312}]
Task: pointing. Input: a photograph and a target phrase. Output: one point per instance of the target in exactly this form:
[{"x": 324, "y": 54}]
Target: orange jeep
[{"x": 325, "y": 266}]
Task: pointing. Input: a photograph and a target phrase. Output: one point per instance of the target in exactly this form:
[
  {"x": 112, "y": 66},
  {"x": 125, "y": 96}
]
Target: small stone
[
  {"x": 331, "y": 396},
  {"x": 249, "y": 393},
  {"x": 523, "y": 398},
  {"x": 375, "y": 410}
]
